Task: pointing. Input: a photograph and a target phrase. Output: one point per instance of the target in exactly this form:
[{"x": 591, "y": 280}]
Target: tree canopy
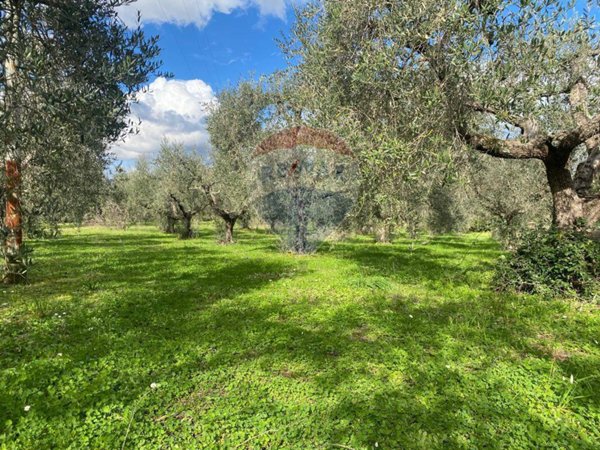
[
  {"x": 69, "y": 73},
  {"x": 424, "y": 79}
]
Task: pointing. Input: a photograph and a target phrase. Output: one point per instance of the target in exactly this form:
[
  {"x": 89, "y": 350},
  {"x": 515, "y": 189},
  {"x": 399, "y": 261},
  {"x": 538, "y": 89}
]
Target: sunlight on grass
[{"x": 141, "y": 339}]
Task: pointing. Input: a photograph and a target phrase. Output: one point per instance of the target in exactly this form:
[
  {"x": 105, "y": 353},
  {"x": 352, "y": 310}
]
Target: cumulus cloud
[
  {"x": 194, "y": 12},
  {"x": 169, "y": 109}
]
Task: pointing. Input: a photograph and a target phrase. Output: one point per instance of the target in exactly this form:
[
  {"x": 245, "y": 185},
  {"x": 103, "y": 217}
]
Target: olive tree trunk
[
  {"x": 568, "y": 207},
  {"x": 301, "y": 222},
  {"x": 229, "y": 224},
  {"x": 13, "y": 251},
  {"x": 170, "y": 225},
  {"x": 187, "y": 233}
]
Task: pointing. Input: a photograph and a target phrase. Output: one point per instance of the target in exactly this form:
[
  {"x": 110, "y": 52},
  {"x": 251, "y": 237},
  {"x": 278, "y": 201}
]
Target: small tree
[
  {"x": 509, "y": 196},
  {"x": 308, "y": 182},
  {"x": 139, "y": 187},
  {"x": 178, "y": 173},
  {"x": 235, "y": 125}
]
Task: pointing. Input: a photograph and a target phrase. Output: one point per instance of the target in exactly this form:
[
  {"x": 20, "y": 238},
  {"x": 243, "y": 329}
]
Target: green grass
[{"x": 361, "y": 346}]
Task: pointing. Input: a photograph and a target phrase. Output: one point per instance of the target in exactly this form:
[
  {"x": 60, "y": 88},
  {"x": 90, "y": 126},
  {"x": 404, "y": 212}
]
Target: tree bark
[
  {"x": 14, "y": 264},
  {"x": 568, "y": 206},
  {"x": 301, "y": 225},
  {"x": 229, "y": 217},
  {"x": 229, "y": 224},
  {"x": 14, "y": 224},
  {"x": 186, "y": 217},
  {"x": 187, "y": 226},
  {"x": 586, "y": 171}
]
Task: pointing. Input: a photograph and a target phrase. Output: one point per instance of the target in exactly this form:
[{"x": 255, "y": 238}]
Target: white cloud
[
  {"x": 195, "y": 12},
  {"x": 171, "y": 109}
]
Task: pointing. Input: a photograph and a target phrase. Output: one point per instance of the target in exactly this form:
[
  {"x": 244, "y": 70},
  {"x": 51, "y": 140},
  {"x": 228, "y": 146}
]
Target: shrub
[{"x": 552, "y": 262}]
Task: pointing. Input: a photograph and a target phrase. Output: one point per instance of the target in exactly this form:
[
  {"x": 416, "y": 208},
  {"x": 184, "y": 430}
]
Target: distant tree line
[
  {"x": 461, "y": 116},
  {"x": 180, "y": 186}
]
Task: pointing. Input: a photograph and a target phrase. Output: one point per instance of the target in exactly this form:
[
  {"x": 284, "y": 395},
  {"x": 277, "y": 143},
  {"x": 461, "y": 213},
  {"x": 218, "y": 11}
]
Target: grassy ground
[{"x": 139, "y": 340}]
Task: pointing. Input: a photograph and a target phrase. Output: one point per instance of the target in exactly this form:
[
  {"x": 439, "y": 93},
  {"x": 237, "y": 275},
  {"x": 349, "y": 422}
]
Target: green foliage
[
  {"x": 38, "y": 229},
  {"x": 236, "y": 119},
  {"x": 235, "y": 126},
  {"x": 68, "y": 74},
  {"x": 137, "y": 339},
  {"x": 178, "y": 177},
  {"x": 506, "y": 197},
  {"x": 90, "y": 63},
  {"x": 112, "y": 215},
  {"x": 65, "y": 188},
  {"x": 553, "y": 262},
  {"x": 414, "y": 81},
  {"x": 304, "y": 194},
  {"x": 448, "y": 208},
  {"x": 140, "y": 188}
]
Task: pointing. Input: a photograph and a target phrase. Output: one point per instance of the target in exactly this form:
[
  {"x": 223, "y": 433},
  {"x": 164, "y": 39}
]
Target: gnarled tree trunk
[
  {"x": 568, "y": 206},
  {"x": 571, "y": 198},
  {"x": 186, "y": 216},
  {"x": 229, "y": 224},
  {"x": 229, "y": 217},
  {"x": 187, "y": 226},
  {"x": 571, "y": 206}
]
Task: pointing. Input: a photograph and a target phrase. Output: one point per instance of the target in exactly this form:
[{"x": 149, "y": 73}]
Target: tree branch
[
  {"x": 569, "y": 140},
  {"x": 508, "y": 149},
  {"x": 214, "y": 204},
  {"x": 180, "y": 206},
  {"x": 516, "y": 122}
]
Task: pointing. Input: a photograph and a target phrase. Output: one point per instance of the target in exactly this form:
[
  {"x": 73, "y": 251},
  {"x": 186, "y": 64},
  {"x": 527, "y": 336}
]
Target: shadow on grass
[
  {"x": 233, "y": 344},
  {"x": 442, "y": 261}
]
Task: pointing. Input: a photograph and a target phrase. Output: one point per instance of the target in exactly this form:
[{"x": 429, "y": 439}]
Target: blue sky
[
  {"x": 230, "y": 47},
  {"x": 207, "y": 45}
]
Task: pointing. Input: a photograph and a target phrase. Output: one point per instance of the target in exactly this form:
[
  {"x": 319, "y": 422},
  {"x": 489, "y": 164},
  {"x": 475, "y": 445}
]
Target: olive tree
[
  {"x": 47, "y": 200},
  {"x": 508, "y": 197},
  {"x": 431, "y": 76},
  {"x": 140, "y": 186},
  {"x": 534, "y": 71},
  {"x": 346, "y": 65},
  {"x": 235, "y": 126},
  {"x": 178, "y": 173},
  {"x": 68, "y": 74}
]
